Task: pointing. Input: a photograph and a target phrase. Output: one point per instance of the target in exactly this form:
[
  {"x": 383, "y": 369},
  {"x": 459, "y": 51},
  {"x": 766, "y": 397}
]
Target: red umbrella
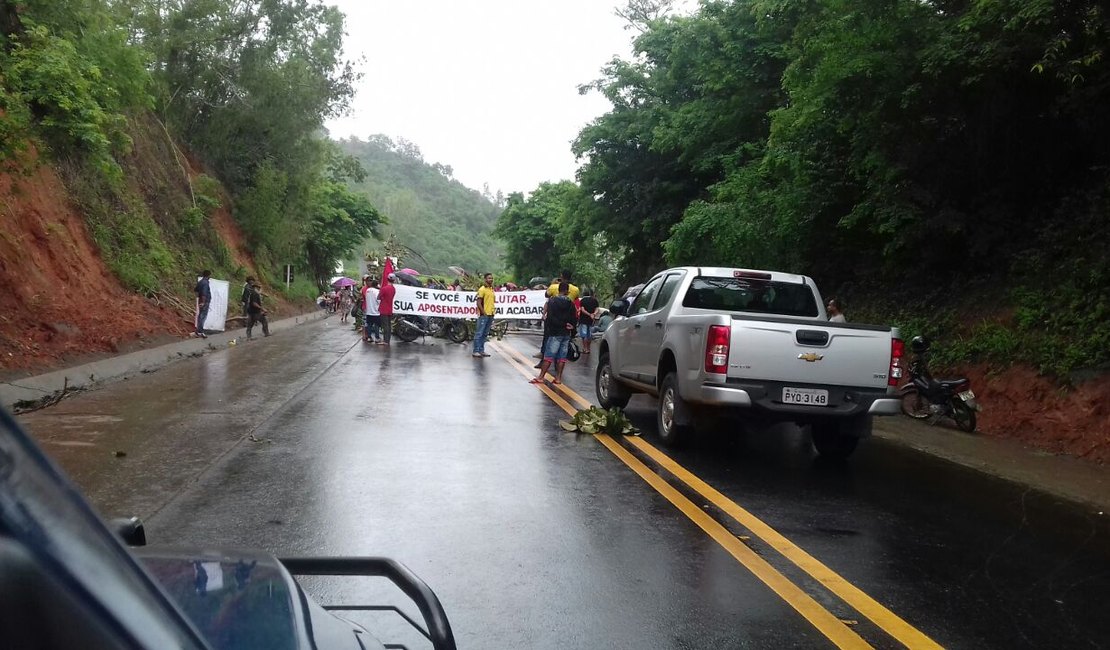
[{"x": 410, "y": 271}]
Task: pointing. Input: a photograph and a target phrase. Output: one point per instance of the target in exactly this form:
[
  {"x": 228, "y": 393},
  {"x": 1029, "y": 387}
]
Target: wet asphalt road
[{"x": 310, "y": 443}]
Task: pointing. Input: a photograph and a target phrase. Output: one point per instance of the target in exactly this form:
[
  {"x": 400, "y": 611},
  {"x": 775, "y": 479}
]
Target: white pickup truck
[{"x": 755, "y": 343}]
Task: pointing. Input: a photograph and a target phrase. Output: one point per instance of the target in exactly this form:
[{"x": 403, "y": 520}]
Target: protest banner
[
  {"x": 217, "y": 309},
  {"x": 438, "y": 303}
]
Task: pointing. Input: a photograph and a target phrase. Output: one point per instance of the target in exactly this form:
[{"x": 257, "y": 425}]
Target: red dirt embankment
[
  {"x": 1021, "y": 405},
  {"x": 58, "y": 300}
]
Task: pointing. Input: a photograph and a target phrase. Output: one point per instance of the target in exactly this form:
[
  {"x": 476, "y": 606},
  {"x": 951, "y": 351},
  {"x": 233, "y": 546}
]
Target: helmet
[{"x": 919, "y": 344}]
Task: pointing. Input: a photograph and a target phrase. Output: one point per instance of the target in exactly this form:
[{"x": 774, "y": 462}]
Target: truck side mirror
[{"x": 618, "y": 308}]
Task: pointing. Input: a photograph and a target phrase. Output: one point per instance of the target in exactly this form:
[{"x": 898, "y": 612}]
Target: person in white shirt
[
  {"x": 833, "y": 308},
  {"x": 373, "y": 326}
]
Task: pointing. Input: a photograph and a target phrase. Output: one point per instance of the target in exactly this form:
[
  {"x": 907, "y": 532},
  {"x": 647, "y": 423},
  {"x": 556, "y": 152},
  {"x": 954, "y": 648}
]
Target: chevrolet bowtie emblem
[{"x": 810, "y": 357}]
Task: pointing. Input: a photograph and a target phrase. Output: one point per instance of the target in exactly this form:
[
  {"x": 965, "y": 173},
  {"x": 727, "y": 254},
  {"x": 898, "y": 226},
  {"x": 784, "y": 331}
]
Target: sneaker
[
  {"x": 202, "y": 335},
  {"x": 476, "y": 355},
  {"x": 484, "y": 354}
]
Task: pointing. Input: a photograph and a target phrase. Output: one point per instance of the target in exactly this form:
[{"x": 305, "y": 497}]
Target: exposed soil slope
[
  {"x": 1020, "y": 404},
  {"x": 57, "y": 298}
]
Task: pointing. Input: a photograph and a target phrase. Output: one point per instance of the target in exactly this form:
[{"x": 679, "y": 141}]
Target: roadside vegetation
[
  {"x": 130, "y": 99},
  {"x": 441, "y": 220},
  {"x": 942, "y": 165}
]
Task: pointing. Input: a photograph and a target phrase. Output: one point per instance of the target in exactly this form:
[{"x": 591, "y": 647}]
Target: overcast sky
[{"x": 486, "y": 86}]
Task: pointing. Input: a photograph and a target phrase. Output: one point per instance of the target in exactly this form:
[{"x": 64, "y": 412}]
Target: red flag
[{"x": 387, "y": 271}]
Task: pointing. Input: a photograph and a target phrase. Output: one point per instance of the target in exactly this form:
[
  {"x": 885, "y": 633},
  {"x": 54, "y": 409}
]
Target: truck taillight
[
  {"x": 897, "y": 351},
  {"x": 716, "y": 349}
]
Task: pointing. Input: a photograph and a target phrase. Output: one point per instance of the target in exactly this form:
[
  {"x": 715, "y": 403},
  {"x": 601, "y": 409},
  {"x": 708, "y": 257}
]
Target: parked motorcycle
[
  {"x": 408, "y": 327},
  {"x": 925, "y": 397}
]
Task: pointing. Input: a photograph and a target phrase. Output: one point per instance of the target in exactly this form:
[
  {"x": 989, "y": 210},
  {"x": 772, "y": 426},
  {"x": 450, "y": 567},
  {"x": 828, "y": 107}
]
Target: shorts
[
  {"x": 584, "y": 331},
  {"x": 556, "y": 349}
]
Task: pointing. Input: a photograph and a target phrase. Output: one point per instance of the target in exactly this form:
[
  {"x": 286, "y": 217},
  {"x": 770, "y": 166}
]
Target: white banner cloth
[
  {"x": 216, "y": 321},
  {"x": 521, "y": 305}
]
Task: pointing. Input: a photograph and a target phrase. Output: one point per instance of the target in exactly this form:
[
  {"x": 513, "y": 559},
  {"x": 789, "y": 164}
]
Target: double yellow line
[{"x": 823, "y": 620}]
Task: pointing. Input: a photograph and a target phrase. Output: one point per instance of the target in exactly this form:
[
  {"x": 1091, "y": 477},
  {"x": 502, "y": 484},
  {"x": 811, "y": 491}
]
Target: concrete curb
[{"x": 97, "y": 373}]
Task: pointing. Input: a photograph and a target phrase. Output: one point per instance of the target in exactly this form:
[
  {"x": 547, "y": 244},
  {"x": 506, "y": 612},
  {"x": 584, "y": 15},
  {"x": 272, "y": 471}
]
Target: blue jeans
[
  {"x": 556, "y": 349},
  {"x": 481, "y": 333},
  {"x": 584, "y": 331}
]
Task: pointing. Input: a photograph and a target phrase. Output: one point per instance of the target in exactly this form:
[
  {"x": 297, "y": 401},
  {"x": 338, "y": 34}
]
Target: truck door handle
[
  {"x": 659, "y": 323},
  {"x": 636, "y": 326}
]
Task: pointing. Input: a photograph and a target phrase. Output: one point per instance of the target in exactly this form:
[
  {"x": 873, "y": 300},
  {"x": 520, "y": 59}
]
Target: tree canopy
[
  {"x": 874, "y": 144},
  {"x": 443, "y": 221}
]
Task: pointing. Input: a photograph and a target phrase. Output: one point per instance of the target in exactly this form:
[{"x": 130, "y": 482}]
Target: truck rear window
[{"x": 752, "y": 295}]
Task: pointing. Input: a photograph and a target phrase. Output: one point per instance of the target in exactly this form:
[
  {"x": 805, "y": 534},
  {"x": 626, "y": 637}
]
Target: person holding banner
[
  {"x": 486, "y": 310},
  {"x": 204, "y": 298}
]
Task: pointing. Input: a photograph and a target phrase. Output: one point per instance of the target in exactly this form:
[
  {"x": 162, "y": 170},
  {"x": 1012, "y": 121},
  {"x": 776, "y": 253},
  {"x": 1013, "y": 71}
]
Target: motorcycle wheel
[
  {"x": 457, "y": 332},
  {"x": 405, "y": 331},
  {"x": 963, "y": 415},
  {"x": 915, "y": 405}
]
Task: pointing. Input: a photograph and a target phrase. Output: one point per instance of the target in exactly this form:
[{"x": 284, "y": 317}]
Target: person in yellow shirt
[
  {"x": 485, "y": 306},
  {"x": 553, "y": 290}
]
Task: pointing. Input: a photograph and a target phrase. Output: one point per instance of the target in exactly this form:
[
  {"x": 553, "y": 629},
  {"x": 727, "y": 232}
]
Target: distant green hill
[{"x": 444, "y": 221}]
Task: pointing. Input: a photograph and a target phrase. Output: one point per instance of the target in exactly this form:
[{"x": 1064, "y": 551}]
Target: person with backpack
[
  {"x": 255, "y": 312},
  {"x": 588, "y": 313},
  {"x": 559, "y": 323},
  {"x": 245, "y": 297}
]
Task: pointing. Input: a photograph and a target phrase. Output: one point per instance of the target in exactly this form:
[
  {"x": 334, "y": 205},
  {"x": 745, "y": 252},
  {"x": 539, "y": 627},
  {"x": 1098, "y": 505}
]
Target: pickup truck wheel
[
  {"x": 831, "y": 443},
  {"x": 671, "y": 433},
  {"x": 610, "y": 392}
]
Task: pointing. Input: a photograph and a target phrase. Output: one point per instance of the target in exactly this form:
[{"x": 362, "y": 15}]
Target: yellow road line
[
  {"x": 506, "y": 348},
  {"x": 867, "y": 606},
  {"x": 810, "y": 609},
  {"x": 887, "y": 620},
  {"x": 555, "y": 397},
  {"x": 818, "y": 616}
]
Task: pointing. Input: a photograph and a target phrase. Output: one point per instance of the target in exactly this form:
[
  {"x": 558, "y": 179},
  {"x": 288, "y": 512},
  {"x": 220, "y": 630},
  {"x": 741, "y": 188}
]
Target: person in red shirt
[{"x": 385, "y": 307}]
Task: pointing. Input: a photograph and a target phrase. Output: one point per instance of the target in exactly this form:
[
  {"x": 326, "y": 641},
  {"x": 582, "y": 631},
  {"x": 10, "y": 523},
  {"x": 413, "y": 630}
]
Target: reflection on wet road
[{"x": 310, "y": 443}]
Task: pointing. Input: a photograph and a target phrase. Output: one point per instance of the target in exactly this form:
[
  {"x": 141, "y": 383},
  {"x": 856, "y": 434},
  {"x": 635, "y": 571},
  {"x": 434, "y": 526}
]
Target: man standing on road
[
  {"x": 255, "y": 312},
  {"x": 485, "y": 316},
  {"x": 204, "y": 298},
  {"x": 587, "y": 316},
  {"x": 552, "y": 291},
  {"x": 559, "y": 319},
  {"x": 385, "y": 307},
  {"x": 373, "y": 326}
]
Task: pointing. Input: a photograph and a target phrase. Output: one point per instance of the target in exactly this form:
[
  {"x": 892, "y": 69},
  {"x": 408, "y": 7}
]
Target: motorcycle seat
[{"x": 954, "y": 383}]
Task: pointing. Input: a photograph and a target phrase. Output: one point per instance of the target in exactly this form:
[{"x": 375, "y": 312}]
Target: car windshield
[
  {"x": 44, "y": 513},
  {"x": 751, "y": 295}
]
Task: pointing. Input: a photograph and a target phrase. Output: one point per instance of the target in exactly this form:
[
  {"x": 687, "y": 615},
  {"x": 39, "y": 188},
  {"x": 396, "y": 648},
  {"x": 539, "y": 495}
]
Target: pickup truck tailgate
[{"x": 802, "y": 353}]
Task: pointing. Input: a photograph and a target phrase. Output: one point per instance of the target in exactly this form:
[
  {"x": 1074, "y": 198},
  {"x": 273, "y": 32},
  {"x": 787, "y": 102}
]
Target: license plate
[
  {"x": 805, "y": 396},
  {"x": 967, "y": 396}
]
